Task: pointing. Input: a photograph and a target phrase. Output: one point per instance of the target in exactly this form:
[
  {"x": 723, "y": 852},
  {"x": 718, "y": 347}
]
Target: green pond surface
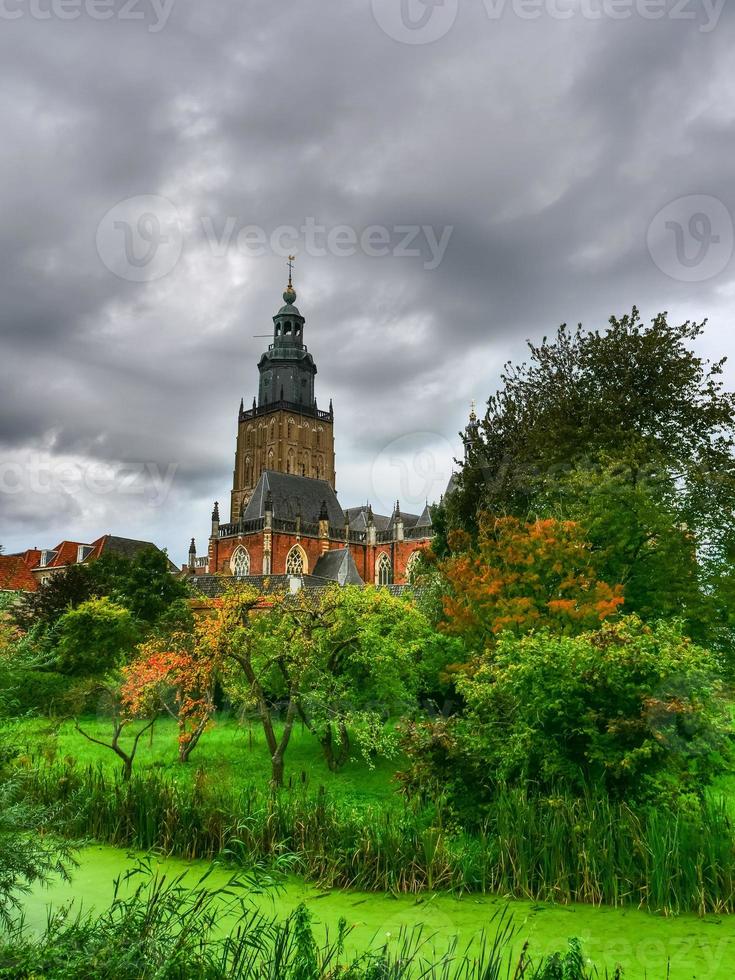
[{"x": 643, "y": 944}]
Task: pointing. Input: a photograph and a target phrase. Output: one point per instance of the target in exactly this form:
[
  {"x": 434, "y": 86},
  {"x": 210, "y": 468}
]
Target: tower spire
[{"x": 289, "y": 295}]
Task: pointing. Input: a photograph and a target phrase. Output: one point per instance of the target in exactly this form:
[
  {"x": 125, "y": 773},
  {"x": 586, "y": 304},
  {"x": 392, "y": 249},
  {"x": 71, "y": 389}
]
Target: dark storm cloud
[{"x": 547, "y": 146}]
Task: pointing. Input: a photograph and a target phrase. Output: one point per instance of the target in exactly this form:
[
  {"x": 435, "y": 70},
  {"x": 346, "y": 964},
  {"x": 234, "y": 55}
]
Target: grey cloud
[{"x": 547, "y": 146}]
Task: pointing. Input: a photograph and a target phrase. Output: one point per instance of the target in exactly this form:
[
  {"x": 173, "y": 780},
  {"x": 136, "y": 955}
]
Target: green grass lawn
[{"x": 230, "y": 753}]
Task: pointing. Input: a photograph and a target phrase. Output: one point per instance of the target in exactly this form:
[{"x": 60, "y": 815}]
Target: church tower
[{"x": 284, "y": 430}]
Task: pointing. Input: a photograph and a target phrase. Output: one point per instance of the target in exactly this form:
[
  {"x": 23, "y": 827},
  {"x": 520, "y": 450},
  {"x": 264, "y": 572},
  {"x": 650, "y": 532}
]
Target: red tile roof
[{"x": 15, "y": 576}]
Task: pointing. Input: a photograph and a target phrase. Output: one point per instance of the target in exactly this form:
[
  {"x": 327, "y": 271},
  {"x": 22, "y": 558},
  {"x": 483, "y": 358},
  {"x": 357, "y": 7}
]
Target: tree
[
  {"x": 519, "y": 577},
  {"x": 339, "y": 659},
  {"x": 633, "y": 417},
  {"x": 64, "y": 590},
  {"x": 176, "y": 675},
  {"x": 143, "y": 584},
  {"x": 359, "y": 654},
  {"x": 110, "y": 693},
  {"x": 634, "y": 527},
  {"x": 94, "y": 638},
  {"x": 630, "y": 389}
]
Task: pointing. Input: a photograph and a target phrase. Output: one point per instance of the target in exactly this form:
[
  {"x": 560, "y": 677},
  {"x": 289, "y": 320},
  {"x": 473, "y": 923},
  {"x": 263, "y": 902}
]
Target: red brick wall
[{"x": 365, "y": 556}]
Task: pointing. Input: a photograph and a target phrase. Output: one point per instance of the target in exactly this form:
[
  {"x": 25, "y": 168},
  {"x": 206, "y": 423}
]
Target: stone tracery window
[
  {"x": 412, "y": 566},
  {"x": 240, "y": 562},
  {"x": 296, "y": 561},
  {"x": 383, "y": 570}
]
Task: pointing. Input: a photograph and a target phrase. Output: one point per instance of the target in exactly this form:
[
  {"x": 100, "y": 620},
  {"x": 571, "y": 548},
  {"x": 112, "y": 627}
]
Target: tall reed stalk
[{"x": 561, "y": 849}]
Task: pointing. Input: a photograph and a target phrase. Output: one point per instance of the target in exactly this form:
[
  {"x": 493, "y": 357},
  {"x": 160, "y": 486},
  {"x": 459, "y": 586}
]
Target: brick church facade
[{"x": 285, "y": 518}]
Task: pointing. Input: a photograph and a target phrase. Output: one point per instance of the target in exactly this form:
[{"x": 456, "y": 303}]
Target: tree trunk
[
  {"x": 335, "y": 760},
  {"x": 277, "y": 768}
]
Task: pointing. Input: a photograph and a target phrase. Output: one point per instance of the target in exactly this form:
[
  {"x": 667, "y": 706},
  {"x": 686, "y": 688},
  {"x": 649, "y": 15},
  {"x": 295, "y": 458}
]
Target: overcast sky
[{"x": 459, "y": 176}]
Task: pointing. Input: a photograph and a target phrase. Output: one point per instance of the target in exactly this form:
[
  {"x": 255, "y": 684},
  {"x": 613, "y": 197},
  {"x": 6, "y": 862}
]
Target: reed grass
[
  {"x": 561, "y": 849},
  {"x": 167, "y": 930}
]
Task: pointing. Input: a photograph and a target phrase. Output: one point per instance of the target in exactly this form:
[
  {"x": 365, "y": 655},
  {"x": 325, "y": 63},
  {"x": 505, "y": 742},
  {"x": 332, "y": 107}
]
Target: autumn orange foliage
[
  {"x": 178, "y": 676},
  {"x": 520, "y": 577}
]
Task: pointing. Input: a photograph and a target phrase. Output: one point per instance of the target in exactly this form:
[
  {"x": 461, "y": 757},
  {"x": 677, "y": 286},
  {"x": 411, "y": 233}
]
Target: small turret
[
  {"x": 398, "y": 522},
  {"x": 192, "y": 557},
  {"x": 215, "y": 520},
  {"x": 324, "y": 526},
  {"x": 371, "y": 530}
]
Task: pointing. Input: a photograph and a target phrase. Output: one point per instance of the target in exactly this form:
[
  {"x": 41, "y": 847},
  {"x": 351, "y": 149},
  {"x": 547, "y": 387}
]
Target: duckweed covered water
[{"x": 701, "y": 948}]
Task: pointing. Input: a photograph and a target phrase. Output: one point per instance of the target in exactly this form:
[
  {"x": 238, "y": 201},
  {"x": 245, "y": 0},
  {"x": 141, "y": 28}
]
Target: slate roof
[
  {"x": 293, "y": 495},
  {"x": 424, "y": 518},
  {"x": 128, "y": 548},
  {"x": 358, "y": 519},
  {"x": 339, "y": 566},
  {"x": 213, "y": 586},
  {"x": 409, "y": 520}
]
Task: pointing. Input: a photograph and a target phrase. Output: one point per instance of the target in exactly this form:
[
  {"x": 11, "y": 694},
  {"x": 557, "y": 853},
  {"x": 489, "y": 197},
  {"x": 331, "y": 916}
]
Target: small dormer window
[
  {"x": 44, "y": 558},
  {"x": 83, "y": 551}
]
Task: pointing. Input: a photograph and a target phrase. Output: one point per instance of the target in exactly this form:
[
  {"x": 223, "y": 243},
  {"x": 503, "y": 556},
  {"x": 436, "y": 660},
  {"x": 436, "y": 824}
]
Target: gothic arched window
[
  {"x": 289, "y": 428},
  {"x": 248, "y": 471},
  {"x": 240, "y": 562},
  {"x": 296, "y": 561},
  {"x": 383, "y": 570},
  {"x": 273, "y": 431},
  {"x": 412, "y": 566}
]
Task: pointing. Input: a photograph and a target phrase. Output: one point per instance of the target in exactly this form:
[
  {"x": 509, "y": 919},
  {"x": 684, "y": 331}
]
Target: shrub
[
  {"x": 94, "y": 638},
  {"x": 35, "y": 691},
  {"x": 633, "y": 709}
]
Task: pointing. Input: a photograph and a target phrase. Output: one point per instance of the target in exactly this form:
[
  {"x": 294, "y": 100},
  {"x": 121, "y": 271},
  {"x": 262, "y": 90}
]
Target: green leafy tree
[
  {"x": 631, "y": 390},
  {"x": 363, "y": 650},
  {"x": 341, "y": 660},
  {"x": 95, "y": 638},
  {"x": 64, "y": 590},
  {"x": 631, "y": 433},
  {"x": 143, "y": 584},
  {"x": 633, "y": 523}
]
